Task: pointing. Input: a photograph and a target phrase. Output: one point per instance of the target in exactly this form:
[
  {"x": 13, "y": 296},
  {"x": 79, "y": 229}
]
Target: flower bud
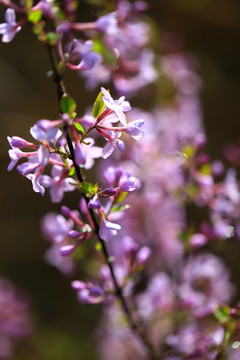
[
  {"x": 74, "y": 234},
  {"x": 67, "y": 250},
  {"x": 65, "y": 211}
]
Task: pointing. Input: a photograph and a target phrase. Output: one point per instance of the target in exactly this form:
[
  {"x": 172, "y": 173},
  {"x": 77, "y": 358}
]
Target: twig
[{"x": 118, "y": 290}]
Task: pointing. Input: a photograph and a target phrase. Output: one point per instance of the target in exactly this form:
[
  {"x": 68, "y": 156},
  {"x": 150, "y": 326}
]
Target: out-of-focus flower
[
  {"x": 82, "y": 52},
  {"x": 10, "y": 28},
  {"x": 14, "y": 318},
  {"x": 55, "y": 227},
  {"x": 158, "y": 298},
  {"x": 205, "y": 284}
]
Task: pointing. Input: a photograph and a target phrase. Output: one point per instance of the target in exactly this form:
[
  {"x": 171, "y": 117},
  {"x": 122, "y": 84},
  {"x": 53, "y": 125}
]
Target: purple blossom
[
  {"x": 55, "y": 227},
  {"x": 37, "y": 187},
  {"x": 87, "y": 58},
  {"x": 130, "y": 184},
  {"x": 108, "y": 230},
  {"x": 113, "y": 142},
  {"x": 14, "y": 317},
  {"x": 15, "y": 155},
  {"x": 179, "y": 69},
  {"x": 118, "y": 106},
  {"x": 145, "y": 74},
  {"x": 58, "y": 183},
  {"x": 9, "y": 29},
  {"x": 74, "y": 234},
  {"x": 94, "y": 203},
  {"x": 107, "y": 192},
  {"x": 97, "y": 75},
  {"x": 133, "y": 129},
  {"x": 67, "y": 250},
  {"x": 88, "y": 293},
  {"x": 192, "y": 341},
  {"x": 86, "y": 153},
  {"x": 92, "y": 152},
  {"x": 27, "y": 168},
  {"x": 79, "y": 154},
  {"x": 197, "y": 240},
  {"x": 18, "y": 142},
  {"x": 112, "y": 175},
  {"x": 142, "y": 255},
  {"x": 46, "y": 7},
  {"x": 157, "y": 298},
  {"x": 107, "y": 23},
  {"x": 65, "y": 264},
  {"x": 43, "y": 155},
  {"x": 129, "y": 246},
  {"x": 205, "y": 284},
  {"x": 43, "y": 134}
]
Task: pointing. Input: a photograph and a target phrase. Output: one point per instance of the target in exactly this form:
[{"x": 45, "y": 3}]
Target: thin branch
[{"x": 118, "y": 290}]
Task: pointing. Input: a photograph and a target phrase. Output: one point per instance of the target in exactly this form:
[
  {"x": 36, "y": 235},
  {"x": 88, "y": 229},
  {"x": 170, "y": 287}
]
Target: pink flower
[
  {"x": 108, "y": 230},
  {"x": 10, "y": 28},
  {"x": 118, "y": 106}
]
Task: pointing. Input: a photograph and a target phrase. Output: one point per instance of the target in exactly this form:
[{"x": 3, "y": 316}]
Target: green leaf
[
  {"x": 222, "y": 313},
  {"x": 68, "y": 105},
  {"x": 79, "y": 127},
  {"x": 95, "y": 188},
  {"x": 98, "y": 46},
  {"x": 86, "y": 187},
  {"x": 64, "y": 156},
  {"x": 35, "y": 16},
  {"x": 121, "y": 197},
  {"x": 98, "y": 246},
  {"x": 98, "y": 106},
  {"x": 72, "y": 172}
]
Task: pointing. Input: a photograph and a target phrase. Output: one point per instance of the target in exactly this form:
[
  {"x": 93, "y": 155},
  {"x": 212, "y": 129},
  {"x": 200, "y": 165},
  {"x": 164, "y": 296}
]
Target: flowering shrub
[{"x": 164, "y": 294}]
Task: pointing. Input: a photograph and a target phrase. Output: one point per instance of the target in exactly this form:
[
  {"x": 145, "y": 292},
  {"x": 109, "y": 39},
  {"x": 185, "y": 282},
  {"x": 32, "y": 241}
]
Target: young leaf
[
  {"x": 98, "y": 106},
  {"x": 68, "y": 105},
  {"x": 79, "y": 127},
  {"x": 72, "y": 172},
  {"x": 222, "y": 313},
  {"x": 35, "y": 16},
  {"x": 88, "y": 188},
  {"x": 121, "y": 197},
  {"x": 95, "y": 188}
]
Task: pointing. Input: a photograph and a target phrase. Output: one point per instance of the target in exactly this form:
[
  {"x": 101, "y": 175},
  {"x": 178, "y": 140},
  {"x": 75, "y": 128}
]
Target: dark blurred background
[{"x": 63, "y": 328}]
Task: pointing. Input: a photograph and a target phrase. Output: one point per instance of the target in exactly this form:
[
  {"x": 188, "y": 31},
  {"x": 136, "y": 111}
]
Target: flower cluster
[{"x": 146, "y": 253}]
